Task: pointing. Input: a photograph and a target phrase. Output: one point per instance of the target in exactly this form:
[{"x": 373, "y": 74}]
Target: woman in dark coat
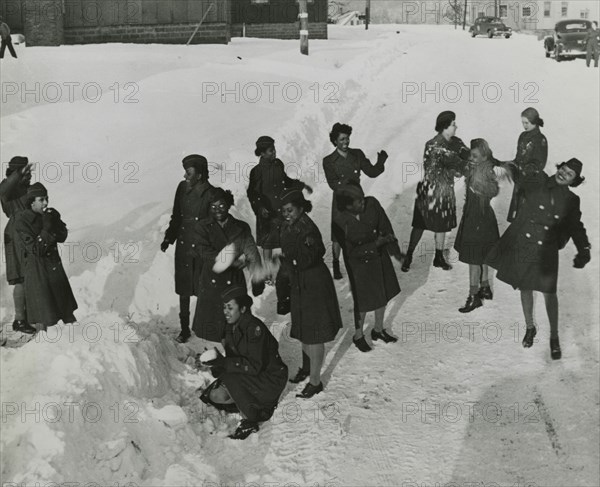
[
  {"x": 435, "y": 206},
  {"x": 315, "y": 311},
  {"x": 342, "y": 166},
  {"x": 251, "y": 376},
  {"x": 531, "y": 158},
  {"x": 478, "y": 229},
  {"x": 267, "y": 181},
  {"x": 211, "y": 237},
  {"x": 48, "y": 293},
  {"x": 189, "y": 208},
  {"x": 369, "y": 241},
  {"x": 13, "y": 195},
  {"x": 526, "y": 256}
]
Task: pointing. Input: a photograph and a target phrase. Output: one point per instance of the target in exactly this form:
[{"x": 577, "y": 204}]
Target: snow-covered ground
[{"x": 457, "y": 401}]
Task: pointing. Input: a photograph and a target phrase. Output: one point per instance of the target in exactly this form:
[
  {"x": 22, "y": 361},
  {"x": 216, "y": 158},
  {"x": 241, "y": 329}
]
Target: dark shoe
[
  {"x": 473, "y": 302},
  {"x": 244, "y": 430},
  {"x": 361, "y": 344},
  {"x": 300, "y": 376},
  {"x": 183, "y": 337},
  {"x": 383, "y": 335},
  {"x": 23, "y": 327},
  {"x": 485, "y": 292},
  {"x": 529, "y": 336},
  {"x": 555, "y": 351},
  {"x": 337, "y": 274},
  {"x": 407, "y": 262},
  {"x": 310, "y": 390},
  {"x": 439, "y": 261}
]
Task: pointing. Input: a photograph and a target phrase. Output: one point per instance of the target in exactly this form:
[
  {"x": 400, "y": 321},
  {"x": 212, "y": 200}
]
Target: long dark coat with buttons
[
  {"x": 314, "y": 306},
  {"x": 267, "y": 182},
  {"x": 531, "y": 158},
  {"x": 526, "y": 256},
  {"x": 47, "y": 290},
  {"x": 254, "y": 373},
  {"x": 435, "y": 205},
  {"x": 190, "y": 207},
  {"x": 13, "y": 196},
  {"x": 211, "y": 238},
  {"x": 370, "y": 269},
  {"x": 340, "y": 170}
]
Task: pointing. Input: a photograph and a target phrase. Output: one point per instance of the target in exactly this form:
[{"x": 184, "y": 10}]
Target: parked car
[
  {"x": 491, "y": 27},
  {"x": 568, "y": 39}
]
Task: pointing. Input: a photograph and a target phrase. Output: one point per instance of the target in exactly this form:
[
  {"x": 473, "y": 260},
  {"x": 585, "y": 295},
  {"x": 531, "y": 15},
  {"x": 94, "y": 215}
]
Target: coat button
[
  {"x": 528, "y": 235},
  {"x": 196, "y": 218},
  {"x": 556, "y": 217},
  {"x": 546, "y": 227},
  {"x": 542, "y": 207},
  {"x": 183, "y": 228},
  {"x": 213, "y": 281},
  {"x": 228, "y": 282},
  {"x": 193, "y": 245},
  {"x": 539, "y": 242}
]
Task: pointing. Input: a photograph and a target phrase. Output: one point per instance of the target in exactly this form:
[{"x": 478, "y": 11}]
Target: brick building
[{"x": 56, "y": 22}]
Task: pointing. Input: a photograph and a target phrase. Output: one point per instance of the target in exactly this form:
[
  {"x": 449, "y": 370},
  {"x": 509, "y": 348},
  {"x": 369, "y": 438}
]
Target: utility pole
[
  {"x": 367, "y": 14},
  {"x": 303, "y": 27},
  {"x": 455, "y": 13},
  {"x": 465, "y": 16},
  {"x": 495, "y": 8}
]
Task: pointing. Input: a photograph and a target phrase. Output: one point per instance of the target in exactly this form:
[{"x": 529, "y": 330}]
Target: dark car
[
  {"x": 568, "y": 39},
  {"x": 491, "y": 27}
]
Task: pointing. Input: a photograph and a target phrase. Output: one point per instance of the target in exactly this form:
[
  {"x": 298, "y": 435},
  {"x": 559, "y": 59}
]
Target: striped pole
[{"x": 303, "y": 27}]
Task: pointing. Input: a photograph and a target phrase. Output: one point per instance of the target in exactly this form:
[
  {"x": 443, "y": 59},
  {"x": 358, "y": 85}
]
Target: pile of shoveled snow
[{"x": 103, "y": 401}]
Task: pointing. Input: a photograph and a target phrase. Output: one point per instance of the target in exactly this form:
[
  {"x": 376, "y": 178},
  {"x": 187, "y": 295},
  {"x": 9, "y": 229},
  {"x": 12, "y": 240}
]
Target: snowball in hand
[
  {"x": 208, "y": 355},
  {"x": 225, "y": 258}
]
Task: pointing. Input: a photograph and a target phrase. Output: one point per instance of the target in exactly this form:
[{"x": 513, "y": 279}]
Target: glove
[
  {"x": 382, "y": 157},
  {"x": 308, "y": 189},
  {"x": 48, "y": 219},
  {"x": 258, "y": 288},
  {"x": 581, "y": 259},
  {"x": 217, "y": 366},
  {"x": 164, "y": 245},
  {"x": 264, "y": 213}
]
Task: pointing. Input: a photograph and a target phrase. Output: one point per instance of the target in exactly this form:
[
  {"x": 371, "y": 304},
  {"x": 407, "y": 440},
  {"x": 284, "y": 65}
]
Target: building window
[
  {"x": 564, "y": 8},
  {"x": 259, "y": 1},
  {"x": 585, "y": 14},
  {"x": 526, "y": 11},
  {"x": 547, "y": 8},
  {"x": 503, "y": 11}
]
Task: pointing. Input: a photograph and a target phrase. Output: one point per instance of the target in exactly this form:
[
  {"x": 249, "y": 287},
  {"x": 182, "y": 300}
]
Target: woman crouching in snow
[
  {"x": 252, "y": 376},
  {"x": 526, "y": 256},
  {"x": 48, "y": 293},
  {"x": 478, "y": 229}
]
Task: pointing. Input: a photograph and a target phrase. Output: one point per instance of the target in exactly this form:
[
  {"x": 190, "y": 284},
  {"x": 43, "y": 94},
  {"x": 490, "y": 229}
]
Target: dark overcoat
[
  {"x": 526, "y": 256},
  {"x": 531, "y": 158},
  {"x": 340, "y": 170},
  {"x": 13, "y": 195},
  {"x": 253, "y": 371},
  {"x": 267, "y": 182},
  {"x": 478, "y": 228},
  {"x": 190, "y": 207},
  {"x": 211, "y": 238},
  {"x": 47, "y": 290},
  {"x": 370, "y": 269},
  {"x": 435, "y": 204},
  {"x": 314, "y": 306}
]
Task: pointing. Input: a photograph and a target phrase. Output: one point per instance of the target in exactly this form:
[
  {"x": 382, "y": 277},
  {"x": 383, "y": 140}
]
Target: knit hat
[
  {"x": 18, "y": 162},
  {"x": 233, "y": 292},
  {"x": 37, "y": 189},
  {"x": 444, "y": 120},
  {"x": 352, "y": 190},
  {"x": 195, "y": 160}
]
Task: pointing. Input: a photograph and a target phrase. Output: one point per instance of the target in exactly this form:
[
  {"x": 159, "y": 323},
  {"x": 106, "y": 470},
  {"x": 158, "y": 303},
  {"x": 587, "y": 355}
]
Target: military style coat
[
  {"x": 370, "y": 270},
  {"x": 526, "y": 256},
  {"x": 190, "y": 207},
  {"x": 253, "y": 371},
  {"x": 531, "y": 158},
  {"x": 340, "y": 170},
  {"x": 267, "y": 182},
  {"x": 13, "y": 196},
  {"x": 47, "y": 290},
  {"x": 211, "y": 238},
  {"x": 314, "y": 306},
  {"x": 435, "y": 204}
]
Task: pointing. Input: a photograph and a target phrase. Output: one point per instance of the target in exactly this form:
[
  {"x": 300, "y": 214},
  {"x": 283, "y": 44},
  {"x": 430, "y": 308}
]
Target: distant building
[
  {"x": 518, "y": 14},
  {"x": 56, "y": 22}
]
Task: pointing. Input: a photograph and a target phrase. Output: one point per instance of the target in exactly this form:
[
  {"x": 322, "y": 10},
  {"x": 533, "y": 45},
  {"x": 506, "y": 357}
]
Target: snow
[{"x": 114, "y": 399}]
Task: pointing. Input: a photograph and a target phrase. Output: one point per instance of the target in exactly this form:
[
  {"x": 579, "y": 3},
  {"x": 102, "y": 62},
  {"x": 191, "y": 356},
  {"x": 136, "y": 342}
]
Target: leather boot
[
  {"x": 184, "y": 320},
  {"x": 337, "y": 273},
  {"x": 473, "y": 302},
  {"x": 439, "y": 261}
]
